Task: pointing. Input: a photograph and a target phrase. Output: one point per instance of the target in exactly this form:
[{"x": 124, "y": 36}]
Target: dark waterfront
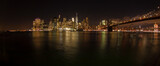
[{"x": 80, "y": 49}]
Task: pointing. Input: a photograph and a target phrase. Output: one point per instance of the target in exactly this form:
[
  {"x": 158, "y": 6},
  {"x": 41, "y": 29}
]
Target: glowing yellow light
[{"x": 73, "y": 19}]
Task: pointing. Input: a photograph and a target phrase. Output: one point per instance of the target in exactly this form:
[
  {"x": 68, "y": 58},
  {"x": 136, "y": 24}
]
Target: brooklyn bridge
[{"x": 145, "y": 21}]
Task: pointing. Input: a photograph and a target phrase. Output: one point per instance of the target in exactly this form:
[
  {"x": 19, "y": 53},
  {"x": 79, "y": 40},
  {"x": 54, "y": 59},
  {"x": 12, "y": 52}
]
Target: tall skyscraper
[
  {"x": 73, "y": 20},
  {"x": 76, "y": 20},
  {"x": 38, "y": 24},
  {"x": 76, "y": 17},
  {"x": 87, "y": 23},
  {"x": 50, "y": 26}
]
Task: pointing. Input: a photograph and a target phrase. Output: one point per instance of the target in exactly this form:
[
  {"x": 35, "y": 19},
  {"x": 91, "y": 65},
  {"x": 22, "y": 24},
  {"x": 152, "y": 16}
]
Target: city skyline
[{"x": 16, "y": 14}]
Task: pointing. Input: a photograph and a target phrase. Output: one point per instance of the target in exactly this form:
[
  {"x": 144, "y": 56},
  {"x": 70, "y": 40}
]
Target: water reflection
[
  {"x": 38, "y": 38},
  {"x": 103, "y": 40},
  {"x": 89, "y": 48},
  {"x": 65, "y": 43},
  {"x": 71, "y": 45},
  {"x": 156, "y": 38},
  {"x": 3, "y": 53}
]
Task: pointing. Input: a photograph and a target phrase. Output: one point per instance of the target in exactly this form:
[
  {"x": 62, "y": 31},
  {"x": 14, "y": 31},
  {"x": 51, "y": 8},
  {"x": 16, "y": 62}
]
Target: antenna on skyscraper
[{"x": 59, "y": 16}]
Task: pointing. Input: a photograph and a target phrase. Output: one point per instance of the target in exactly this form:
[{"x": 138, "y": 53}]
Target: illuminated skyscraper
[
  {"x": 55, "y": 23},
  {"x": 76, "y": 20},
  {"x": 87, "y": 23},
  {"x": 64, "y": 23},
  {"x": 76, "y": 17},
  {"x": 103, "y": 22},
  {"x": 38, "y": 24},
  {"x": 50, "y": 27},
  {"x": 73, "y": 19}
]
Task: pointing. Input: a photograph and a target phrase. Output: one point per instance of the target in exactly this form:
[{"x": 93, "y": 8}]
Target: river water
[{"x": 80, "y": 48}]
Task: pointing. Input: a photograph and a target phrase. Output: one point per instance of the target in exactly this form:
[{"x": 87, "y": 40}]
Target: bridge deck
[{"x": 138, "y": 21}]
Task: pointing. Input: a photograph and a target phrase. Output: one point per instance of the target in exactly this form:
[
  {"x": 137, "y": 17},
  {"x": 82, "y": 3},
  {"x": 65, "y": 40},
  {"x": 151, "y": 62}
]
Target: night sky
[{"x": 19, "y": 14}]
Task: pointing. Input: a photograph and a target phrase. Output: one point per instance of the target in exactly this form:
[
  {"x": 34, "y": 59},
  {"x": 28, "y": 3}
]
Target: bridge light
[
  {"x": 144, "y": 17},
  {"x": 140, "y": 18},
  {"x": 134, "y": 19}
]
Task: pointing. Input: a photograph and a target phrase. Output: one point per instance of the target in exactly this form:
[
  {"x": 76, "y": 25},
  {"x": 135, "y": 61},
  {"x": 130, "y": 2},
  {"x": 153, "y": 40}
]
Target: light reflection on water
[
  {"x": 82, "y": 48},
  {"x": 38, "y": 39}
]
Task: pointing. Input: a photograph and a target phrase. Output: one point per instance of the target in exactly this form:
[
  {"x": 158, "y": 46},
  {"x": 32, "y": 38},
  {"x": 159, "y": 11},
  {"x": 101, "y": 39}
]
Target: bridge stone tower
[
  {"x": 109, "y": 27},
  {"x": 156, "y": 27}
]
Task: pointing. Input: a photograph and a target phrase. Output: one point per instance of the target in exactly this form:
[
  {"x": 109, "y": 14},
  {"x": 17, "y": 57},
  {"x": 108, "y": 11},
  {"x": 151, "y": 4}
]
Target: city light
[{"x": 73, "y": 24}]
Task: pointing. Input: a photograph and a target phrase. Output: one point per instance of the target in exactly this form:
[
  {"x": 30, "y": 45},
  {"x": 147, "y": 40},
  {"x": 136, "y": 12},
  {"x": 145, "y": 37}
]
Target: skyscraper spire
[{"x": 76, "y": 17}]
